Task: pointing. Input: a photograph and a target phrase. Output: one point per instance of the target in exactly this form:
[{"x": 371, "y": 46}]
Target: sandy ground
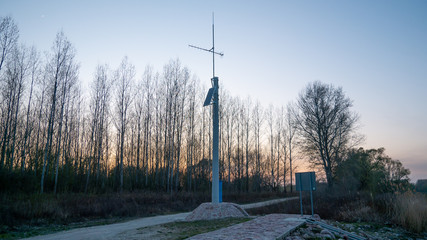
[{"x": 128, "y": 230}]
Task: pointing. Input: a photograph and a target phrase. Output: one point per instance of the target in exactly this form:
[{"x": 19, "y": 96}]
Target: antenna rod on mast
[
  {"x": 213, "y": 45},
  {"x": 212, "y": 50}
]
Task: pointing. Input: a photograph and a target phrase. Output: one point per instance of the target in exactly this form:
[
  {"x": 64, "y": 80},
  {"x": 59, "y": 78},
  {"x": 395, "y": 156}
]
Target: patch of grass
[{"x": 183, "y": 230}]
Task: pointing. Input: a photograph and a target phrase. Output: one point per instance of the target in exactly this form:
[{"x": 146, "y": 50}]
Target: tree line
[{"x": 150, "y": 131}]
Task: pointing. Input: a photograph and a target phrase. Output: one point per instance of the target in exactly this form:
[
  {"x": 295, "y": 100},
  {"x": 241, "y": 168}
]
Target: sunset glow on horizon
[{"x": 375, "y": 50}]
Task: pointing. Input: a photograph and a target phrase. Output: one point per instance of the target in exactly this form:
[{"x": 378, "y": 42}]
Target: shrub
[
  {"x": 373, "y": 171},
  {"x": 421, "y": 185}
]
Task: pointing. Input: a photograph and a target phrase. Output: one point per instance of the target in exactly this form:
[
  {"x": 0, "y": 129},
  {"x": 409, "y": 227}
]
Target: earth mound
[{"x": 210, "y": 211}]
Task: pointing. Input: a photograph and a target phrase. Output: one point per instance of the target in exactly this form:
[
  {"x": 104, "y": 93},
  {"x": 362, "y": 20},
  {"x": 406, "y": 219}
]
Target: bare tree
[
  {"x": 246, "y": 126},
  {"x": 270, "y": 123},
  {"x": 70, "y": 75},
  {"x": 239, "y": 150},
  {"x": 21, "y": 66},
  {"x": 190, "y": 137},
  {"x": 326, "y": 124},
  {"x": 278, "y": 144},
  {"x": 34, "y": 62},
  {"x": 105, "y": 89},
  {"x": 291, "y": 129},
  {"x": 139, "y": 111},
  {"x": 175, "y": 80},
  {"x": 228, "y": 114},
  {"x": 100, "y": 94},
  {"x": 9, "y": 35},
  {"x": 56, "y": 67},
  {"x": 157, "y": 96},
  {"x": 40, "y": 100},
  {"x": 257, "y": 113},
  {"x": 16, "y": 71},
  {"x": 184, "y": 79},
  {"x": 144, "y": 104},
  {"x": 123, "y": 77}
]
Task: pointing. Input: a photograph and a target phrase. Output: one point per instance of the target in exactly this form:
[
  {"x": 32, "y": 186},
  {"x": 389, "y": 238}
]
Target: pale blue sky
[{"x": 375, "y": 50}]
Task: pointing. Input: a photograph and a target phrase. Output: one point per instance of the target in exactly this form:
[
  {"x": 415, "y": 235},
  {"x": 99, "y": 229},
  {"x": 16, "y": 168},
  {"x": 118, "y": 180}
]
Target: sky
[{"x": 375, "y": 50}]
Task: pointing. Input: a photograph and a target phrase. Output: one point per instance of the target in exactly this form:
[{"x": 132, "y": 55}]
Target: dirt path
[
  {"x": 111, "y": 231},
  {"x": 266, "y": 203}
]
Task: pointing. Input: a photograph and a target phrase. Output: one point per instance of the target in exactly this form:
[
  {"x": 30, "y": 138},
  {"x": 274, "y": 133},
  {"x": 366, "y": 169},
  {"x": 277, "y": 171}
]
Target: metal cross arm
[
  {"x": 207, "y": 50},
  {"x": 212, "y": 50}
]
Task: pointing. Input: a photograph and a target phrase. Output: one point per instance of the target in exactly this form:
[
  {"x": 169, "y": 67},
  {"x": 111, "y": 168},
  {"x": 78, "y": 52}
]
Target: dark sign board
[
  {"x": 209, "y": 97},
  {"x": 305, "y": 181}
]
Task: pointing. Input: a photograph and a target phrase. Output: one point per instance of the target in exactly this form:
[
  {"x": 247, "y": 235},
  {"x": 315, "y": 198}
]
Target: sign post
[{"x": 306, "y": 181}]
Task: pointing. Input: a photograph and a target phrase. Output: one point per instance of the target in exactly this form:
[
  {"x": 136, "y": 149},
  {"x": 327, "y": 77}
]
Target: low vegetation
[
  {"x": 65, "y": 208},
  {"x": 408, "y": 210},
  {"x": 34, "y": 214},
  {"x": 369, "y": 186},
  {"x": 41, "y": 214},
  {"x": 183, "y": 230},
  {"x": 24, "y": 231}
]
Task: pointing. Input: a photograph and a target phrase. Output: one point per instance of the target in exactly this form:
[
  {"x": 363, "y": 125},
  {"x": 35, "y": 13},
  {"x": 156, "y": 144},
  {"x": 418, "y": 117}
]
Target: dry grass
[
  {"x": 410, "y": 211},
  {"x": 38, "y": 209},
  {"x": 358, "y": 212},
  {"x": 328, "y": 204}
]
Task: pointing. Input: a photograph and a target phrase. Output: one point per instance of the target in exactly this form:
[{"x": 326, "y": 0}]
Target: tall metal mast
[{"x": 212, "y": 98}]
